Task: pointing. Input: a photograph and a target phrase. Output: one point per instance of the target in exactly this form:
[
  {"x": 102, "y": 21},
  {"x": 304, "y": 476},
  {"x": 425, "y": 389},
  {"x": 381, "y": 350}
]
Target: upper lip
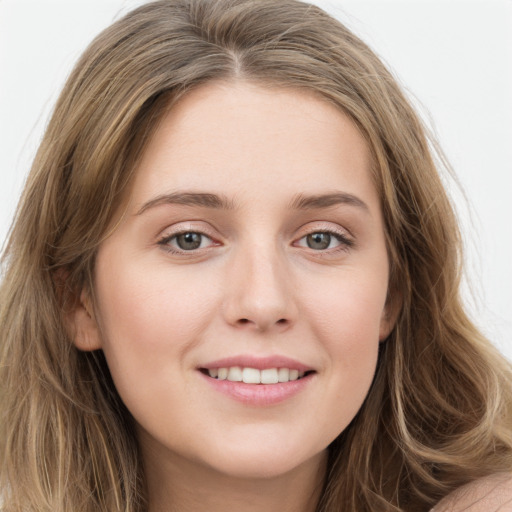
[{"x": 257, "y": 362}]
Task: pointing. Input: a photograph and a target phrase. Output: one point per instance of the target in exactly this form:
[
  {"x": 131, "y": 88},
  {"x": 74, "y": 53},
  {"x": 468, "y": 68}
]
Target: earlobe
[
  {"x": 385, "y": 328},
  {"x": 83, "y": 325},
  {"x": 389, "y": 318}
]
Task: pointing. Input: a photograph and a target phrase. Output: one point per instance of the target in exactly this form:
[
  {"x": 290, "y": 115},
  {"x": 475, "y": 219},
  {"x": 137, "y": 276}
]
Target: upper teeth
[{"x": 255, "y": 376}]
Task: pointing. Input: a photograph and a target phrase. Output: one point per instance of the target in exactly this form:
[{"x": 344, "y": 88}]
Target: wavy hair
[{"x": 439, "y": 412}]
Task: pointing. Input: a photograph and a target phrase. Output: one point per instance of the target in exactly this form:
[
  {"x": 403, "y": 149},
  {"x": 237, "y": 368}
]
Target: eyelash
[
  {"x": 166, "y": 240},
  {"x": 344, "y": 243}
]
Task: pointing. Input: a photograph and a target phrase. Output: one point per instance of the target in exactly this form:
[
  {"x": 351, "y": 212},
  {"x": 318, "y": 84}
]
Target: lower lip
[{"x": 259, "y": 394}]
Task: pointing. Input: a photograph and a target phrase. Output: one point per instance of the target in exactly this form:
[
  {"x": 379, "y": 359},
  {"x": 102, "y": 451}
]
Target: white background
[{"x": 454, "y": 57}]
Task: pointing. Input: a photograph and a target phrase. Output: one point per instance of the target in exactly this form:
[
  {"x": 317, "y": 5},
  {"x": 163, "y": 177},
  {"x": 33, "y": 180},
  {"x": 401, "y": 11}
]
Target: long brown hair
[{"x": 439, "y": 413}]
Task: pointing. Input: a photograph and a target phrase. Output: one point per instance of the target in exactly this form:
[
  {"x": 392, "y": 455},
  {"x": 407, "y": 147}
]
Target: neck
[{"x": 177, "y": 484}]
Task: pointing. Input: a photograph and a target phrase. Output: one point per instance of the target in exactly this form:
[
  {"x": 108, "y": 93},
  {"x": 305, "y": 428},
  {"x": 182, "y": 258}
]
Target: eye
[
  {"x": 324, "y": 240},
  {"x": 186, "y": 241}
]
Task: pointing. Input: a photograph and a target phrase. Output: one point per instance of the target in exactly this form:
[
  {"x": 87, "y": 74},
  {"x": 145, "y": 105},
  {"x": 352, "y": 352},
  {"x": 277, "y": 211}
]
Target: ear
[
  {"x": 82, "y": 324},
  {"x": 389, "y": 316}
]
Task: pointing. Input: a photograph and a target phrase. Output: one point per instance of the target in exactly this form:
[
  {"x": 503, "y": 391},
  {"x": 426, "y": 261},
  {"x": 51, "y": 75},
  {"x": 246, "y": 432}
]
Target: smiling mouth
[{"x": 254, "y": 376}]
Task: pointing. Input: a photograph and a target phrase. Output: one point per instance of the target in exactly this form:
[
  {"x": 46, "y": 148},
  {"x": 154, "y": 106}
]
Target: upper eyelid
[
  {"x": 166, "y": 238},
  {"x": 324, "y": 226},
  {"x": 344, "y": 236},
  {"x": 170, "y": 236},
  {"x": 186, "y": 227},
  {"x": 342, "y": 239},
  {"x": 332, "y": 232},
  {"x": 165, "y": 243},
  {"x": 204, "y": 228}
]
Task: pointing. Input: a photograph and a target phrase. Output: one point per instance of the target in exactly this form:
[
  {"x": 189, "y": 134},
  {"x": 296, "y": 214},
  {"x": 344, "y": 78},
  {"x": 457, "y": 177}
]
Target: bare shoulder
[{"x": 490, "y": 494}]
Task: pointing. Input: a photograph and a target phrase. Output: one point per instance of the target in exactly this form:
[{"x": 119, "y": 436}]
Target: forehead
[{"x": 236, "y": 138}]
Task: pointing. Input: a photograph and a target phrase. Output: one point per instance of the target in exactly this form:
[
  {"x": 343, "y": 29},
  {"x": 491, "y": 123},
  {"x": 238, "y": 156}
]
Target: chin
[{"x": 260, "y": 461}]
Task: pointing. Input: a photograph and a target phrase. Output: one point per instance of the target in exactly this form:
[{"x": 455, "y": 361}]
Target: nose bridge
[{"x": 259, "y": 294}]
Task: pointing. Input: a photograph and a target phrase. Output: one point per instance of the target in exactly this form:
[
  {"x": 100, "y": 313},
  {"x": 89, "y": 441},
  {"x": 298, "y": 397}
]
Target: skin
[
  {"x": 489, "y": 494},
  {"x": 255, "y": 286}
]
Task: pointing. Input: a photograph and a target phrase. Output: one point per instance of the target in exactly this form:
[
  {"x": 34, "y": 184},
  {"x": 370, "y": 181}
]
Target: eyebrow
[
  {"x": 220, "y": 202},
  {"x": 204, "y": 200},
  {"x": 313, "y": 202}
]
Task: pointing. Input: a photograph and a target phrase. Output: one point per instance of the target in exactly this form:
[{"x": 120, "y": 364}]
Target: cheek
[
  {"x": 348, "y": 307},
  {"x": 149, "y": 318},
  {"x": 149, "y": 305},
  {"x": 346, "y": 317}
]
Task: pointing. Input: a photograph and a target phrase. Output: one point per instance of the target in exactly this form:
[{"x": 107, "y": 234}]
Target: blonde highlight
[{"x": 439, "y": 412}]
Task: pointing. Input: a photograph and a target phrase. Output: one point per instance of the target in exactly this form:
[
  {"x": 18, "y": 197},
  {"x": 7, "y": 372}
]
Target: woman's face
[{"x": 254, "y": 249}]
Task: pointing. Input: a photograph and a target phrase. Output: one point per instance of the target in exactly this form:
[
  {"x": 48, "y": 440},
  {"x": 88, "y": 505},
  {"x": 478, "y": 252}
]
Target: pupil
[
  {"x": 188, "y": 241},
  {"x": 318, "y": 240}
]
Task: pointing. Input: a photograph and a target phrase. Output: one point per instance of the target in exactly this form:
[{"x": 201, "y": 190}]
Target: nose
[{"x": 259, "y": 292}]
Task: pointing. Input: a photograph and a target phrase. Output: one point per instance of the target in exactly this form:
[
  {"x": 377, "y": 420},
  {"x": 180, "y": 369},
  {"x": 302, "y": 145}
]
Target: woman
[{"x": 233, "y": 282}]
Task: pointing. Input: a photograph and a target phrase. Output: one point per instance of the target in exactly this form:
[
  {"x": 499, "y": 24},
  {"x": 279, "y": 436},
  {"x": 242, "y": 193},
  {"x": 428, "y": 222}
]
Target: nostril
[{"x": 245, "y": 321}]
